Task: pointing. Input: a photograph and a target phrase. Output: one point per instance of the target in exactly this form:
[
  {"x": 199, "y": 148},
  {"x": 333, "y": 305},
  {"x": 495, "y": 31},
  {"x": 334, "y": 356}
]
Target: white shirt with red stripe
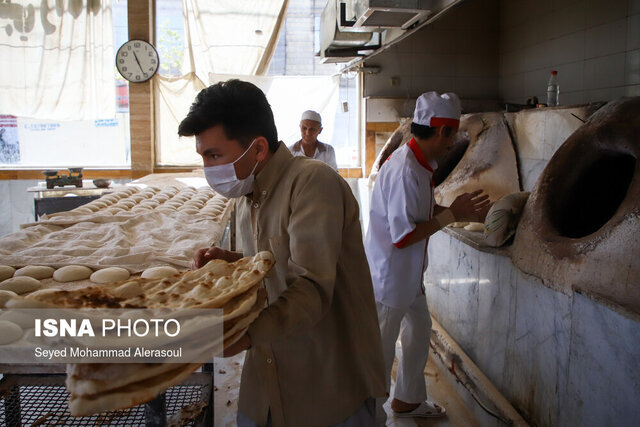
[{"x": 402, "y": 197}]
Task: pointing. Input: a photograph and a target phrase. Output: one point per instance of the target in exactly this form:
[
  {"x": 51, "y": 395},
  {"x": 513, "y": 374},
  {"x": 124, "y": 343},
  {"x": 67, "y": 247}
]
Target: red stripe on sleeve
[{"x": 403, "y": 243}]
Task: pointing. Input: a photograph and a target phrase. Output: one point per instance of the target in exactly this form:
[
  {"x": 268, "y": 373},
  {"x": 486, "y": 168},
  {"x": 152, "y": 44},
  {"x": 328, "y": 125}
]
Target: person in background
[
  {"x": 314, "y": 355},
  {"x": 403, "y": 215},
  {"x": 309, "y": 146}
]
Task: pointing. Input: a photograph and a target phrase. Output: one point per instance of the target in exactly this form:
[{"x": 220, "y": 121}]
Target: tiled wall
[
  {"x": 561, "y": 360},
  {"x": 593, "y": 44},
  {"x": 17, "y": 205},
  {"x": 505, "y": 50},
  {"x": 456, "y": 54}
]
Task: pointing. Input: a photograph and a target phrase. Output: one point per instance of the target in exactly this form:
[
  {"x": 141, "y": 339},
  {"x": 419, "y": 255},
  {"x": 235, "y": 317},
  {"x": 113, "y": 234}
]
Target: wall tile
[
  {"x": 569, "y": 18},
  {"x": 573, "y": 98},
  {"x": 6, "y": 213},
  {"x": 537, "y": 362},
  {"x": 496, "y": 315},
  {"x": 606, "y": 39},
  {"x": 604, "y": 370},
  {"x": 632, "y": 68},
  {"x": 633, "y": 32},
  {"x": 569, "y": 48},
  {"x": 602, "y": 11},
  {"x": 421, "y": 84},
  {"x": 535, "y": 83},
  {"x": 463, "y": 295},
  {"x": 634, "y": 7},
  {"x": 604, "y": 72},
  {"x": 21, "y": 202},
  {"x": 570, "y": 78},
  {"x": 512, "y": 88},
  {"x": 632, "y": 90}
]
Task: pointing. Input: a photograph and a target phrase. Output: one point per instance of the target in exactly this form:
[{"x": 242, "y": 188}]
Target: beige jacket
[{"x": 316, "y": 353}]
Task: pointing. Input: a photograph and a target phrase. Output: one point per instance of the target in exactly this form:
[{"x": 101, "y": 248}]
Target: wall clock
[{"x": 137, "y": 61}]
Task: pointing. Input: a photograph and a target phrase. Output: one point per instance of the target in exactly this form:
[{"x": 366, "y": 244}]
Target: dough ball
[
  {"x": 71, "y": 273},
  {"x": 35, "y": 271},
  {"x": 6, "y": 296},
  {"x": 110, "y": 275},
  {"x": 6, "y": 272},
  {"x": 20, "y": 285},
  {"x": 159, "y": 272},
  {"x": 474, "y": 226},
  {"x": 9, "y": 332}
]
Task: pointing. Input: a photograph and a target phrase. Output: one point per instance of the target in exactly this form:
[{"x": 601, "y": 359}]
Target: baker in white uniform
[
  {"x": 403, "y": 215},
  {"x": 308, "y": 145}
]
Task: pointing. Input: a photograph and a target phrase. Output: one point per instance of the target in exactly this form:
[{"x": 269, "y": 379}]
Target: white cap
[
  {"x": 437, "y": 110},
  {"x": 311, "y": 115}
]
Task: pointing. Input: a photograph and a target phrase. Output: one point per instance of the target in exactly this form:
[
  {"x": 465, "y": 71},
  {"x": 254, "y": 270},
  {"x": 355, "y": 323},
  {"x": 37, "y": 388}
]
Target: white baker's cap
[
  {"x": 437, "y": 110},
  {"x": 311, "y": 115}
]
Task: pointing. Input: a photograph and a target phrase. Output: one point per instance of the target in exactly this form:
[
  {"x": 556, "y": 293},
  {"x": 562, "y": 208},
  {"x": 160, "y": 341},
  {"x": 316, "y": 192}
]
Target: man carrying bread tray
[{"x": 314, "y": 355}]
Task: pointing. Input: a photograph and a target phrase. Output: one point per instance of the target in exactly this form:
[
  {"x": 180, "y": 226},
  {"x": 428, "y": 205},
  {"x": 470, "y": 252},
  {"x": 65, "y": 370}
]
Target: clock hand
[{"x": 136, "y": 56}]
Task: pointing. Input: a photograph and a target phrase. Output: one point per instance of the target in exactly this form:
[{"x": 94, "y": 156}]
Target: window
[
  {"x": 101, "y": 142},
  {"x": 170, "y": 37}
]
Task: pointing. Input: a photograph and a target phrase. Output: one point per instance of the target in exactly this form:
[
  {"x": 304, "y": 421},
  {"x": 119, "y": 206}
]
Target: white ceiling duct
[{"x": 380, "y": 14}]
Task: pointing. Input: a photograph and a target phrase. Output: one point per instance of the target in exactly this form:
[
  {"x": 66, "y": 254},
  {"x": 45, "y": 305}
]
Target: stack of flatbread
[{"x": 233, "y": 287}]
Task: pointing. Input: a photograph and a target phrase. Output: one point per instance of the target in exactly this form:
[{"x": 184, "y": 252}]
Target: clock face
[{"x": 137, "y": 61}]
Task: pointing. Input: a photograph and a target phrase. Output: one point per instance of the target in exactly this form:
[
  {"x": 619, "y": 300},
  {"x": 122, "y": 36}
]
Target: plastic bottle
[{"x": 553, "y": 90}]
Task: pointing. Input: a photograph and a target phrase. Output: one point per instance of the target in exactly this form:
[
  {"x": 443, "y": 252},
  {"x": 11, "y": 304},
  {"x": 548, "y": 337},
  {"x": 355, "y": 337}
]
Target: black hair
[
  {"x": 240, "y": 107},
  {"x": 425, "y": 132}
]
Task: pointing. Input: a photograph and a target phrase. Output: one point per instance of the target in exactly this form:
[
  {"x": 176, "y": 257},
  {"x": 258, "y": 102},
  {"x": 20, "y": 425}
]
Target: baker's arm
[{"x": 464, "y": 207}]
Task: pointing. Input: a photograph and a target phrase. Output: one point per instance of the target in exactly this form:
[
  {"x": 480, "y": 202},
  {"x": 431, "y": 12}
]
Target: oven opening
[{"x": 591, "y": 195}]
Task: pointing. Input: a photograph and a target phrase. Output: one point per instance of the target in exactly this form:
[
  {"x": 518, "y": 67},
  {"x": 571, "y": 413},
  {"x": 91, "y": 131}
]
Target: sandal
[{"x": 426, "y": 409}]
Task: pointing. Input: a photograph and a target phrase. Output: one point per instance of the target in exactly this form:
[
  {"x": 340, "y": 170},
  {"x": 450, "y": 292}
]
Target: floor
[{"x": 439, "y": 385}]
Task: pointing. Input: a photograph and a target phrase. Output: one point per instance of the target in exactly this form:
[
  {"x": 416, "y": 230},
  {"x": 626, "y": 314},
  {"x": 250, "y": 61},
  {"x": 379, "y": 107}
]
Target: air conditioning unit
[
  {"x": 337, "y": 45},
  {"x": 378, "y": 14}
]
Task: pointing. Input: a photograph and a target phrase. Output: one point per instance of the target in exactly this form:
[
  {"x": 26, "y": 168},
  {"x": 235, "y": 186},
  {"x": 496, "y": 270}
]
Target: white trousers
[{"x": 413, "y": 324}]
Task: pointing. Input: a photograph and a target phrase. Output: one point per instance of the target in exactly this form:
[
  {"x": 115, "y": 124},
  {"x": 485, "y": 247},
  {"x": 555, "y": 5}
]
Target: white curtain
[
  {"x": 233, "y": 37},
  {"x": 57, "y": 59},
  {"x": 173, "y": 97}
]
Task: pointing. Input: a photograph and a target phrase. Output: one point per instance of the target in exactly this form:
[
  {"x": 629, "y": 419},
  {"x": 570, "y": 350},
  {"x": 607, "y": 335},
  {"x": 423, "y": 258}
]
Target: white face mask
[{"x": 223, "y": 178}]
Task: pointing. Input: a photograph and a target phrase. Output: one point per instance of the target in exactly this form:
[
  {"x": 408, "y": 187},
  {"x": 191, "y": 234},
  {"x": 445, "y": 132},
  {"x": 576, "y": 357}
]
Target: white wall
[
  {"x": 594, "y": 45},
  {"x": 17, "y": 205}
]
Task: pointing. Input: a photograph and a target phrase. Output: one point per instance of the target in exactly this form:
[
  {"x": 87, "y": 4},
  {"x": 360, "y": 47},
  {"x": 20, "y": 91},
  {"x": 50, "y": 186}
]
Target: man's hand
[
  {"x": 241, "y": 345},
  {"x": 205, "y": 255},
  {"x": 470, "y": 206}
]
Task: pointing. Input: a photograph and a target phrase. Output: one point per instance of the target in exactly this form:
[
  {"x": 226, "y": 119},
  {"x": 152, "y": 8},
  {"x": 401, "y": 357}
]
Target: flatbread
[
  {"x": 211, "y": 286},
  {"x": 159, "y": 272},
  {"x": 132, "y": 394}
]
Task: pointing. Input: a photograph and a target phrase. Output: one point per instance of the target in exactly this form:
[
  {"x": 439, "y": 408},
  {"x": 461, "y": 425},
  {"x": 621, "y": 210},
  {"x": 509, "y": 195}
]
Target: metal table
[
  {"x": 52, "y": 200},
  {"x": 36, "y": 395}
]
